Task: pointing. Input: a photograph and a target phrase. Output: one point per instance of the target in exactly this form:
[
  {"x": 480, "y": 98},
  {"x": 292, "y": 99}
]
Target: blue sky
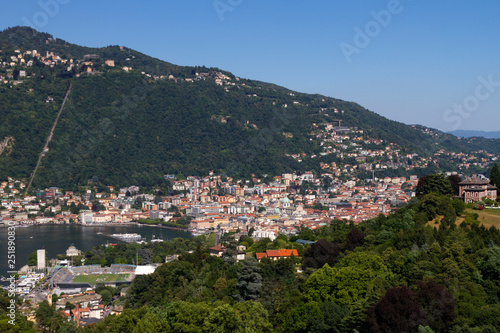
[{"x": 434, "y": 63}]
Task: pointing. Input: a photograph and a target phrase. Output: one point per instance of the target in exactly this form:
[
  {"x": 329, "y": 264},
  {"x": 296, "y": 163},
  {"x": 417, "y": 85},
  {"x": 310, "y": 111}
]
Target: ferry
[
  {"x": 128, "y": 238},
  {"x": 198, "y": 232}
]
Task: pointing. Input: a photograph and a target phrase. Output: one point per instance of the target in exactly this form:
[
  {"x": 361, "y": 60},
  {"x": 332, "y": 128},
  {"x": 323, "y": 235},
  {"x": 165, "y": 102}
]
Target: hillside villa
[{"x": 474, "y": 189}]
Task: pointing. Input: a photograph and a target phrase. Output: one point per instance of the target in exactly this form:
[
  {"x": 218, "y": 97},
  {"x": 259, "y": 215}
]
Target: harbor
[{"x": 55, "y": 239}]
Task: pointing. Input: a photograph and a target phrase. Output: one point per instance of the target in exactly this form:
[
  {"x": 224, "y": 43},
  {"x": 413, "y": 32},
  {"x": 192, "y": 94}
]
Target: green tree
[
  {"x": 320, "y": 253},
  {"x": 249, "y": 280},
  {"x": 151, "y": 323},
  {"x": 253, "y": 318},
  {"x": 106, "y": 296},
  {"x": 425, "y": 329},
  {"x": 331, "y": 319},
  {"x": 21, "y": 324},
  {"x": 355, "y": 276},
  {"x": 495, "y": 176},
  {"x": 47, "y": 316},
  {"x": 32, "y": 259},
  {"x": 490, "y": 264},
  {"x": 434, "y": 183},
  {"x": 454, "y": 181},
  {"x": 188, "y": 317},
  {"x": 306, "y": 233},
  {"x": 221, "y": 319},
  {"x": 459, "y": 206}
]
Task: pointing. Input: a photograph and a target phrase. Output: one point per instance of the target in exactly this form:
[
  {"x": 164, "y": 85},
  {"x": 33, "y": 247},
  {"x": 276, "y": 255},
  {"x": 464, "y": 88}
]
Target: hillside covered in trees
[{"x": 130, "y": 119}]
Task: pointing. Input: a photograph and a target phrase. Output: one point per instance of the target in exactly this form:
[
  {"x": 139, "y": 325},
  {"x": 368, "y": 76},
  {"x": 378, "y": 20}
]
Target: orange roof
[
  {"x": 277, "y": 253},
  {"x": 260, "y": 255},
  {"x": 218, "y": 247}
]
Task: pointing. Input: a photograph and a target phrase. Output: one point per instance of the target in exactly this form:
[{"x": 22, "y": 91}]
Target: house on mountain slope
[{"x": 474, "y": 189}]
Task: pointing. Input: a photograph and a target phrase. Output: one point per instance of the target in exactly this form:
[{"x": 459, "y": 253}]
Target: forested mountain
[{"x": 130, "y": 119}]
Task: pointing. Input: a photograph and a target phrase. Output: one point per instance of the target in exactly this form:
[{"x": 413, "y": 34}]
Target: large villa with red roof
[{"x": 476, "y": 189}]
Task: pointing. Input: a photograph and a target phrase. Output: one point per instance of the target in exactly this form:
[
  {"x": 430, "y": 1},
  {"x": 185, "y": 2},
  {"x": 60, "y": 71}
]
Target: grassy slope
[{"x": 487, "y": 217}]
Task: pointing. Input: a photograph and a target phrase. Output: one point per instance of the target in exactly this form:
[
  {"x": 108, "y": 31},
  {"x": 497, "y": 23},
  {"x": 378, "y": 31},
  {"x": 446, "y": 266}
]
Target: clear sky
[{"x": 434, "y": 63}]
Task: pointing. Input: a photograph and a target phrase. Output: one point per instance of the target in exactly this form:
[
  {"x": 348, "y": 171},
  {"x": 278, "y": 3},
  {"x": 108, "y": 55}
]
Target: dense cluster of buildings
[
  {"x": 282, "y": 204},
  {"x": 278, "y": 205},
  {"x": 270, "y": 207},
  {"x": 85, "y": 308},
  {"x": 18, "y": 65}
]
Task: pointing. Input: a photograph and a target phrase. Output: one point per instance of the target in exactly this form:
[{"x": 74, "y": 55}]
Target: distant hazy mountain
[{"x": 470, "y": 134}]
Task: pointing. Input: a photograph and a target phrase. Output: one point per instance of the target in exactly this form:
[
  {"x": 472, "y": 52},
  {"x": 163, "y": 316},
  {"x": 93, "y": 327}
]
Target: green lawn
[
  {"x": 101, "y": 278},
  {"x": 487, "y": 217}
]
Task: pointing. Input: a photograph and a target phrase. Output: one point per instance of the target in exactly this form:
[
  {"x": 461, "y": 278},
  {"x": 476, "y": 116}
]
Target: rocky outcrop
[{"x": 6, "y": 145}]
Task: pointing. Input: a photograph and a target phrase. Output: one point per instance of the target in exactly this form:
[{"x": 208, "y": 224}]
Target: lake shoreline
[
  {"x": 56, "y": 238},
  {"x": 111, "y": 224}
]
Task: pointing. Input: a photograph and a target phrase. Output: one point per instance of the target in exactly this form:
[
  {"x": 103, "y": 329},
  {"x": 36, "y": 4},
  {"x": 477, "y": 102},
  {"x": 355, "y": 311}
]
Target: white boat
[
  {"x": 129, "y": 238},
  {"x": 155, "y": 240}
]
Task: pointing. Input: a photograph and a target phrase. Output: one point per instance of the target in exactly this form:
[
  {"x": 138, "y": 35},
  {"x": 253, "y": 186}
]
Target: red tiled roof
[
  {"x": 260, "y": 255},
  {"x": 218, "y": 247},
  {"x": 283, "y": 253}
]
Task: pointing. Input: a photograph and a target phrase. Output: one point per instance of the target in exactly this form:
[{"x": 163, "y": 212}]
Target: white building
[
  {"x": 72, "y": 251},
  {"x": 144, "y": 269},
  {"x": 87, "y": 217},
  {"x": 40, "y": 256},
  {"x": 259, "y": 234}
]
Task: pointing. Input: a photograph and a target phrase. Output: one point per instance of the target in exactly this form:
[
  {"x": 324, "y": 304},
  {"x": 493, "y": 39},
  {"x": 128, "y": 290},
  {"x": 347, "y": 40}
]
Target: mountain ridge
[
  {"x": 132, "y": 118},
  {"x": 476, "y": 133}
]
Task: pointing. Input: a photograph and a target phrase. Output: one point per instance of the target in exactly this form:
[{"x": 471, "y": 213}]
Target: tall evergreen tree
[
  {"x": 249, "y": 280},
  {"x": 495, "y": 176},
  {"x": 434, "y": 183},
  {"x": 454, "y": 181}
]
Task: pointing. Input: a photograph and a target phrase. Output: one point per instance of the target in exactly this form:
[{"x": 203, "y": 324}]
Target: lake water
[{"x": 55, "y": 239}]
